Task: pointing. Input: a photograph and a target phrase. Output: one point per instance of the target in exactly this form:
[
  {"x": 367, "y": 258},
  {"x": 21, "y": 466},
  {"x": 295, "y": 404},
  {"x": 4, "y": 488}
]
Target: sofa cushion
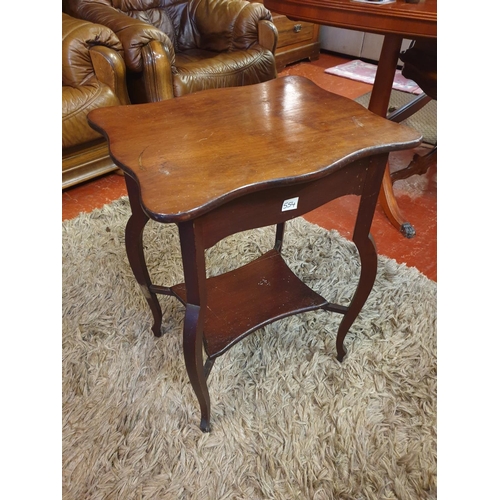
[
  {"x": 77, "y": 102},
  {"x": 201, "y": 69}
]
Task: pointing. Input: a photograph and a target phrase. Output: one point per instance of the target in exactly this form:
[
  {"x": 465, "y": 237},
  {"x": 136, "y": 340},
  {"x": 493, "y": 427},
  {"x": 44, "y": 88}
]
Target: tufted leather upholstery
[
  {"x": 175, "y": 47},
  {"x": 93, "y": 76}
]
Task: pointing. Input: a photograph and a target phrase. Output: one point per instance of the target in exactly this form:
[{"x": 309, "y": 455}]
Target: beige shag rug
[{"x": 288, "y": 420}]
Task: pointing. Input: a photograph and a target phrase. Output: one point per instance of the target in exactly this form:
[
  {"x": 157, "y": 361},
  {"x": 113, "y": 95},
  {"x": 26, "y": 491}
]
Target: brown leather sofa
[
  {"x": 173, "y": 47},
  {"x": 93, "y": 76}
]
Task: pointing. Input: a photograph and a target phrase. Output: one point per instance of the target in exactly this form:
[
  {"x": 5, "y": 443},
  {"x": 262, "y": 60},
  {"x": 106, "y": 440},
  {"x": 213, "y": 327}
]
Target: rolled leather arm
[
  {"x": 133, "y": 33},
  {"x": 268, "y": 35},
  {"x": 228, "y": 24},
  {"x": 78, "y": 38},
  {"x": 110, "y": 69}
]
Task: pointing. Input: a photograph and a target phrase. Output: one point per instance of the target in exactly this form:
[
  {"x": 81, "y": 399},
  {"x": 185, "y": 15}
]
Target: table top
[
  {"x": 193, "y": 153},
  {"x": 399, "y": 18}
]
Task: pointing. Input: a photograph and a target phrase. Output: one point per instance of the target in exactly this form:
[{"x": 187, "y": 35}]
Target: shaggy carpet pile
[{"x": 288, "y": 420}]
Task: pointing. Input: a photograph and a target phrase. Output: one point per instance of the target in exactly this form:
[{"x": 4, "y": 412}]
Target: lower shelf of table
[{"x": 244, "y": 300}]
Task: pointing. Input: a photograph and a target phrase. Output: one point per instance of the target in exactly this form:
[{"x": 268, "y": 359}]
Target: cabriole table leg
[
  {"x": 366, "y": 247},
  {"x": 193, "y": 262},
  {"x": 135, "y": 252}
]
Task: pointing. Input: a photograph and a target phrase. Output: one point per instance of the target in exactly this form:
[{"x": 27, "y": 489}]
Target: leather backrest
[
  {"x": 218, "y": 25},
  {"x": 159, "y": 13},
  {"x": 227, "y": 25}
]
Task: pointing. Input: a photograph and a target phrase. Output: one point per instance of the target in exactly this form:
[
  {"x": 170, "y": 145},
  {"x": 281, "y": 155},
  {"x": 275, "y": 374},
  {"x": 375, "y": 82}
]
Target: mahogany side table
[{"x": 227, "y": 160}]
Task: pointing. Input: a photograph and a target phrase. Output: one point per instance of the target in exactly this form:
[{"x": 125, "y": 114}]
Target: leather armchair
[
  {"x": 175, "y": 47},
  {"x": 93, "y": 76}
]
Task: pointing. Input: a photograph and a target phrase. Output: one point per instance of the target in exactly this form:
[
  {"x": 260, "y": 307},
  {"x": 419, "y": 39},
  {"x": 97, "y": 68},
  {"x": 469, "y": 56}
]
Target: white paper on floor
[{"x": 365, "y": 72}]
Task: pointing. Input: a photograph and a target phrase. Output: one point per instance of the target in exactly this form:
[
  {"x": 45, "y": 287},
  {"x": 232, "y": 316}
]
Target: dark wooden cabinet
[{"x": 297, "y": 40}]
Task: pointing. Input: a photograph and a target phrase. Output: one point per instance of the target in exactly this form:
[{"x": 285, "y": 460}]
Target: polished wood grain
[
  {"x": 230, "y": 142},
  {"x": 295, "y": 41},
  {"x": 399, "y": 18},
  {"x": 396, "y": 21},
  {"x": 227, "y": 160},
  {"x": 263, "y": 291}
]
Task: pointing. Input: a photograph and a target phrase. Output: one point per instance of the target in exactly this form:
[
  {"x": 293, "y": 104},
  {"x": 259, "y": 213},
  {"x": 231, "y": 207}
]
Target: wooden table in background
[{"x": 395, "y": 21}]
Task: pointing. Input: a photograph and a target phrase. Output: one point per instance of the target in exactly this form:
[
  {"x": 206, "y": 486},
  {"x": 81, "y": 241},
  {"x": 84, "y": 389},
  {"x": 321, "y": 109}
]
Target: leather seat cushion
[
  {"x": 77, "y": 102},
  {"x": 201, "y": 69}
]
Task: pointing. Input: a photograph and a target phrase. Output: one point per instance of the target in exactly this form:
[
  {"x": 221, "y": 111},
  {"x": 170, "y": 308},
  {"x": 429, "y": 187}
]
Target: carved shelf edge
[{"x": 250, "y": 297}]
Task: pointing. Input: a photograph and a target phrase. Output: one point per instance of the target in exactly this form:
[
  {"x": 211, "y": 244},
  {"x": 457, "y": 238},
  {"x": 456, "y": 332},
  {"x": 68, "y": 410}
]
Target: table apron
[{"x": 265, "y": 208}]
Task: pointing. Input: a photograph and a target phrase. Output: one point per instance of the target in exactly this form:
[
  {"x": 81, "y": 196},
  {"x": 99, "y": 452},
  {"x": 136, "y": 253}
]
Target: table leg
[
  {"x": 366, "y": 247},
  {"x": 379, "y": 103},
  {"x": 135, "y": 252},
  {"x": 193, "y": 261},
  {"x": 280, "y": 231}
]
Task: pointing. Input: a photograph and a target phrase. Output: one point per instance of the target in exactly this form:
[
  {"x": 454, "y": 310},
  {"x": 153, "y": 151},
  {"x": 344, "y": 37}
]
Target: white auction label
[{"x": 290, "y": 204}]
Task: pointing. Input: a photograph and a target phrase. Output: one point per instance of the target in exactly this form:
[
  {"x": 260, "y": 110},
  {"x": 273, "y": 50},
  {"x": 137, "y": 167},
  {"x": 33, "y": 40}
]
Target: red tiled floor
[
  {"x": 92, "y": 194},
  {"x": 416, "y": 196}
]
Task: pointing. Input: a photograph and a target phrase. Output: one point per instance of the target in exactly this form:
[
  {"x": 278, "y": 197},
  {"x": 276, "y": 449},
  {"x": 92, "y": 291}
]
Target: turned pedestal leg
[
  {"x": 135, "y": 252},
  {"x": 379, "y": 102}
]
